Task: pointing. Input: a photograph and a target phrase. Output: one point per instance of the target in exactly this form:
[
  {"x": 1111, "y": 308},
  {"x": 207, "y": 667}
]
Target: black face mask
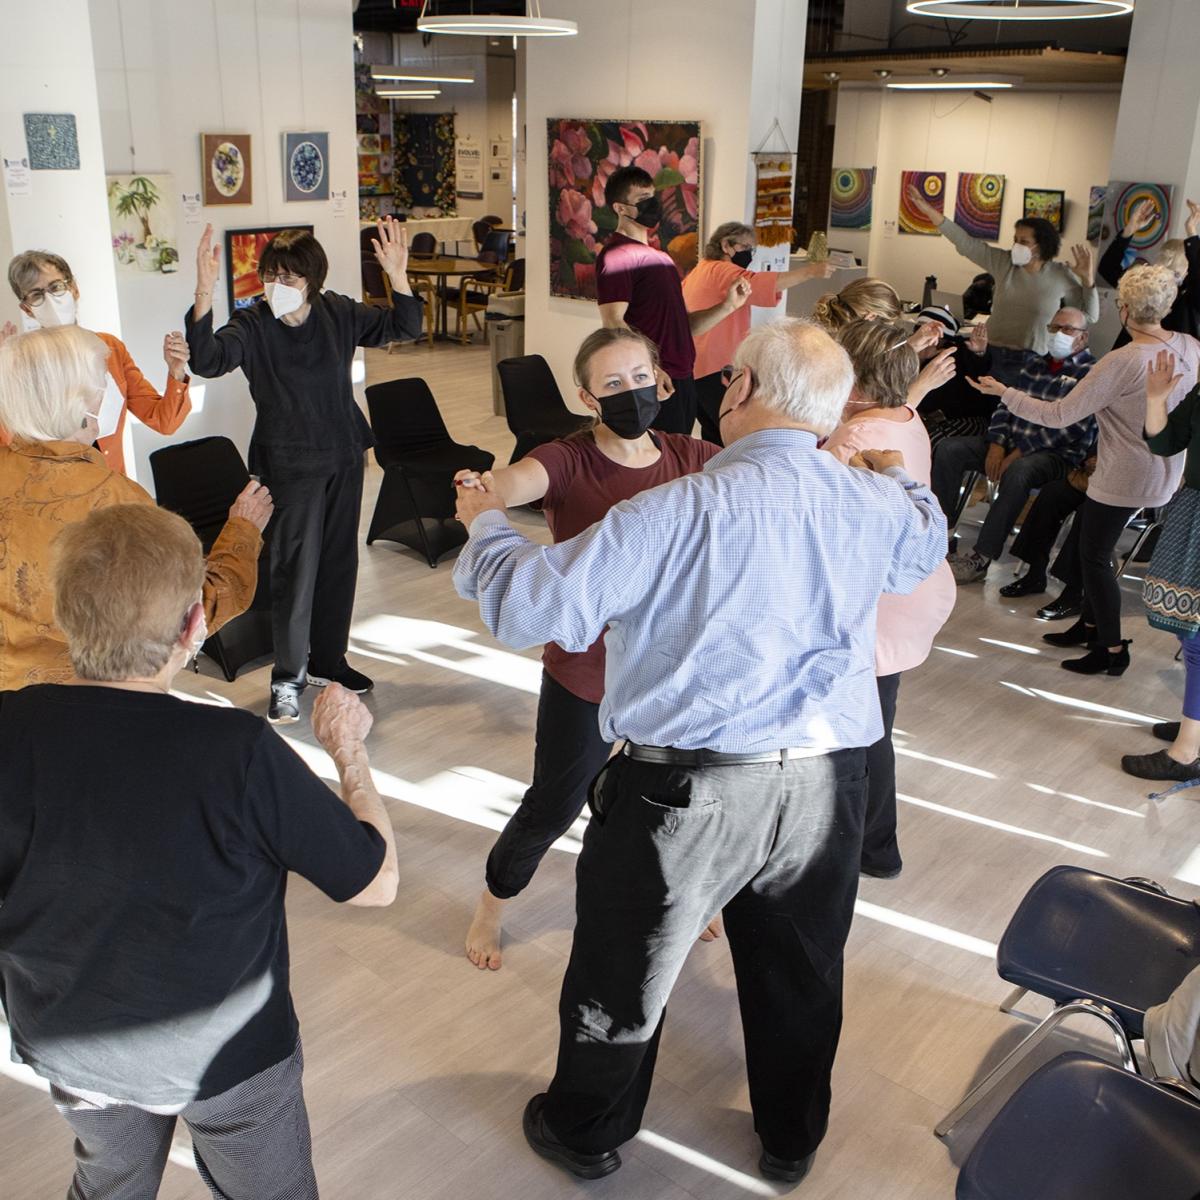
[
  {"x": 629, "y": 414},
  {"x": 742, "y": 258},
  {"x": 649, "y": 211}
]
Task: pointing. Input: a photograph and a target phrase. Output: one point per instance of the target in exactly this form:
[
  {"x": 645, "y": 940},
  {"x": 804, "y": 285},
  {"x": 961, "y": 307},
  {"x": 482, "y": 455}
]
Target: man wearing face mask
[
  {"x": 638, "y": 286},
  {"x": 1030, "y": 286},
  {"x": 1018, "y": 455},
  {"x": 576, "y": 481},
  {"x": 49, "y": 296},
  {"x": 295, "y": 348}
]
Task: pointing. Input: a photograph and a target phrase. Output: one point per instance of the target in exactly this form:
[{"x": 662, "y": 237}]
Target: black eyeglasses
[
  {"x": 284, "y": 277},
  {"x": 60, "y": 287}
]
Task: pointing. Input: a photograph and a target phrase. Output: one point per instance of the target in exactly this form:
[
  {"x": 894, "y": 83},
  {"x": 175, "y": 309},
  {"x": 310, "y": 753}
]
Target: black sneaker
[
  {"x": 352, "y": 680},
  {"x": 1159, "y": 765},
  {"x": 543, "y": 1142},
  {"x": 285, "y": 703}
]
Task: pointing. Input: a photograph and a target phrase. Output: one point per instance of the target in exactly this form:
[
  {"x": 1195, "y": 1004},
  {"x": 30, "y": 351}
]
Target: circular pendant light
[
  {"x": 532, "y": 24},
  {"x": 1020, "y": 10}
]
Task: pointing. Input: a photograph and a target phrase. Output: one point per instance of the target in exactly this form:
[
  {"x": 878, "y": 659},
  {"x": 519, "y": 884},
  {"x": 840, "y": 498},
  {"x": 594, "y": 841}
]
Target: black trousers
[
  {"x": 314, "y": 570},
  {"x": 1035, "y": 543},
  {"x": 568, "y": 751},
  {"x": 776, "y": 846},
  {"x": 1100, "y": 527},
  {"x": 880, "y": 849},
  {"x": 678, "y": 411},
  {"x": 710, "y": 392}
]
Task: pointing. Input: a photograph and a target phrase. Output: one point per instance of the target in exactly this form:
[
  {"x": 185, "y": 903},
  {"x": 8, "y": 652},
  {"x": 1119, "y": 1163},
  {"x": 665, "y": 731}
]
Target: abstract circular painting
[{"x": 307, "y": 167}]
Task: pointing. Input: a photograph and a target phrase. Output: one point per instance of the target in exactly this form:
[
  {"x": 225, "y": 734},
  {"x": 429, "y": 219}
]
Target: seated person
[
  {"x": 51, "y": 384},
  {"x": 145, "y": 845},
  {"x": 1172, "y": 1031},
  {"x": 955, "y": 409},
  {"x": 1019, "y": 455}
]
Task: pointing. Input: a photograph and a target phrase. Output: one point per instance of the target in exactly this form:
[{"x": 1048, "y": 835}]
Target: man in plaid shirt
[{"x": 1018, "y": 455}]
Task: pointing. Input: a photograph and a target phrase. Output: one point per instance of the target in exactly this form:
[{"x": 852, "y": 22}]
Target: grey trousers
[{"x": 250, "y": 1143}]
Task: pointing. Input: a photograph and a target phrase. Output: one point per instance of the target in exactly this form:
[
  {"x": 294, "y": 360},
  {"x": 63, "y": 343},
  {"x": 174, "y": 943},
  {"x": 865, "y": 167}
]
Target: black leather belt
[{"x": 710, "y": 758}]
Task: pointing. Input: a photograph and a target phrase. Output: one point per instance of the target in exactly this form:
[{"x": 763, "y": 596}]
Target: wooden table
[{"x": 442, "y": 267}]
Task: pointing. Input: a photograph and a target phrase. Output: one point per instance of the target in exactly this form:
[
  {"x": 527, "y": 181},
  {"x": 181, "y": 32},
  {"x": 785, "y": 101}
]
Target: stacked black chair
[
  {"x": 423, "y": 243},
  {"x": 533, "y": 405},
  {"x": 200, "y": 480},
  {"x": 419, "y": 460}
]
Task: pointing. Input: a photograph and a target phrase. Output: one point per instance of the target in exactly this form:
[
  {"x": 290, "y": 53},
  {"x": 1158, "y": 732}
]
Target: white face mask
[
  {"x": 28, "y": 323},
  {"x": 108, "y": 418},
  {"x": 283, "y": 299},
  {"x": 1022, "y": 256},
  {"x": 1062, "y": 345},
  {"x": 55, "y": 310}
]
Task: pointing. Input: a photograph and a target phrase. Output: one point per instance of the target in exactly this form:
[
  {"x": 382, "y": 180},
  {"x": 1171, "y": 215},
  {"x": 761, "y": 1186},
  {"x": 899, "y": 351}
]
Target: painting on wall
[
  {"x": 1096, "y": 198},
  {"x": 978, "y": 203},
  {"x": 850, "y": 197},
  {"x": 243, "y": 249},
  {"x": 423, "y": 162},
  {"x": 141, "y": 213},
  {"x": 225, "y": 167},
  {"x": 1125, "y": 197},
  {"x": 583, "y": 153},
  {"x": 1046, "y": 203},
  {"x": 306, "y": 166},
  {"x": 932, "y": 186},
  {"x": 52, "y": 141}
]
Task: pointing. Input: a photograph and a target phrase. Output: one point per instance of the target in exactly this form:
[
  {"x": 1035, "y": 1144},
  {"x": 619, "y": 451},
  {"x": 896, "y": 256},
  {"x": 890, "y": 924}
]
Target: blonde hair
[
  {"x": 884, "y": 363},
  {"x": 731, "y": 229},
  {"x": 124, "y": 579},
  {"x": 48, "y": 382},
  {"x": 1173, "y": 257},
  {"x": 601, "y": 339},
  {"x": 858, "y": 299},
  {"x": 1148, "y": 293}
]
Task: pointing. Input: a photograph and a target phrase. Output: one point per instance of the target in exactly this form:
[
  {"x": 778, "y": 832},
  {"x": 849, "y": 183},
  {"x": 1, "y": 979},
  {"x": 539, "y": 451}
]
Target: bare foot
[
  {"x": 716, "y": 929},
  {"x": 483, "y": 938}
]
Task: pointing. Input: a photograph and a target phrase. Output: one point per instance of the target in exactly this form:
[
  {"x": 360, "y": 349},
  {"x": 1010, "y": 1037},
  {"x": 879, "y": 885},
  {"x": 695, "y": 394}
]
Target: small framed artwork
[
  {"x": 243, "y": 249},
  {"x": 306, "y": 166},
  {"x": 1046, "y": 203},
  {"x": 225, "y": 166},
  {"x": 52, "y": 141}
]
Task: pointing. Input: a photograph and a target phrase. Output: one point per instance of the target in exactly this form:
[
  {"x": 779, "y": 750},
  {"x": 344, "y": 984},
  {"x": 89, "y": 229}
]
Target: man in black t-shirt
[{"x": 145, "y": 844}]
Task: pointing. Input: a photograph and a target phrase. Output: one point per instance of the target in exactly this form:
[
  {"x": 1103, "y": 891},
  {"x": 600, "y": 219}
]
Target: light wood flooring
[{"x": 418, "y": 1066}]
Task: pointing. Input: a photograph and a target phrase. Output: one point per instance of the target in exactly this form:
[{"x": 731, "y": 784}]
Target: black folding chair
[
  {"x": 200, "y": 480},
  {"x": 419, "y": 460},
  {"x": 533, "y": 405}
]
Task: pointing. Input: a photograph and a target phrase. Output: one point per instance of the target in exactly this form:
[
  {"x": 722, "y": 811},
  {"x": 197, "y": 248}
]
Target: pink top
[
  {"x": 906, "y": 625},
  {"x": 705, "y": 286}
]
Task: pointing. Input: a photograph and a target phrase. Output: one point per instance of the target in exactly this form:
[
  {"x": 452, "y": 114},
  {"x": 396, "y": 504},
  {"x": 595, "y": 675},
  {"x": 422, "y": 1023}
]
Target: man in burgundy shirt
[{"x": 639, "y": 286}]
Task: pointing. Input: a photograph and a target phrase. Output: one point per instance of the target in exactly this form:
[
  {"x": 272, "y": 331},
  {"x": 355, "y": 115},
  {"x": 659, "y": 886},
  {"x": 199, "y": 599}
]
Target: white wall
[
  {"x": 169, "y": 70},
  {"x": 1034, "y": 139}
]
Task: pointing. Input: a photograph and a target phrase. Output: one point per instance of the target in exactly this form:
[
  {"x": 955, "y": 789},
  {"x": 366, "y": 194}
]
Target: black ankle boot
[
  {"x": 1078, "y": 635},
  {"x": 1100, "y": 660}
]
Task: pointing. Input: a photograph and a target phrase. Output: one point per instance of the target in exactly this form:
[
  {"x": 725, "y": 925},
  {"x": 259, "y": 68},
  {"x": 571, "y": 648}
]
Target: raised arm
[
  {"x": 212, "y": 354},
  {"x": 1082, "y": 294},
  {"x": 994, "y": 261},
  {"x": 231, "y": 568},
  {"x": 1167, "y": 433},
  {"x": 167, "y": 412},
  {"x": 1112, "y": 262},
  {"x": 787, "y": 279},
  {"x": 1096, "y": 390}
]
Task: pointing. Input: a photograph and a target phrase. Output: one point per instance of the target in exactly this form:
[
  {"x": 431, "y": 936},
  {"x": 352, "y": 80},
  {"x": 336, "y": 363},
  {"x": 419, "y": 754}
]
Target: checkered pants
[{"x": 251, "y": 1142}]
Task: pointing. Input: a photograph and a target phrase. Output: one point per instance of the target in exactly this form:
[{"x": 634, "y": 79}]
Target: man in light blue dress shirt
[{"x": 740, "y": 608}]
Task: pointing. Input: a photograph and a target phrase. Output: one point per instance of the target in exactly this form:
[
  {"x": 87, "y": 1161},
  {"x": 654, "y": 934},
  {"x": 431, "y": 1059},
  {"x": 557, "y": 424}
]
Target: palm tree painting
[{"x": 132, "y": 202}]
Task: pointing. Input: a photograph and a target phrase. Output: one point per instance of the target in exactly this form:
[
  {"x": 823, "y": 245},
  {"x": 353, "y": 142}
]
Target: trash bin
[{"x": 506, "y": 332}]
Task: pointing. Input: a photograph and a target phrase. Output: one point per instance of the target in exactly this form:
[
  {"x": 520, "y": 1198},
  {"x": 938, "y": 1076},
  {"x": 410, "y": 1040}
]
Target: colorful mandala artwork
[
  {"x": 850, "y": 197},
  {"x": 306, "y": 166},
  {"x": 977, "y": 206},
  {"x": 932, "y": 186},
  {"x": 1126, "y": 198}
]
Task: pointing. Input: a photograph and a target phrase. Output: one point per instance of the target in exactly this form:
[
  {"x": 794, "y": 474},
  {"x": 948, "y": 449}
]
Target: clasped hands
[{"x": 475, "y": 493}]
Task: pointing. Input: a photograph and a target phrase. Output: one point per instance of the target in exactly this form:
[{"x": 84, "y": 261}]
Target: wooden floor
[{"x": 418, "y": 1066}]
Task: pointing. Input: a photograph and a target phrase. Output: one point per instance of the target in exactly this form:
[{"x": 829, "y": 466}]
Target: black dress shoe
[
  {"x": 1100, "y": 660},
  {"x": 1159, "y": 765},
  {"x": 543, "y": 1142},
  {"x": 790, "y": 1170},
  {"x": 1079, "y": 634},
  {"x": 880, "y": 872},
  {"x": 1166, "y": 731},
  {"x": 1028, "y": 585},
  {"x": 1060, "y": 608}
]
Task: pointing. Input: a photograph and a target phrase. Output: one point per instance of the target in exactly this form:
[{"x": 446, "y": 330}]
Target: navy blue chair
[
  {"x": 1082, "y": 1129},
  {"x": 1096, "y": 945}
]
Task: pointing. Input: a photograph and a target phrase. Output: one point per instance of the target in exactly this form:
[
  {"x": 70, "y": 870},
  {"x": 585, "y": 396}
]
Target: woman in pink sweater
[{"x": 879, "y": 416}]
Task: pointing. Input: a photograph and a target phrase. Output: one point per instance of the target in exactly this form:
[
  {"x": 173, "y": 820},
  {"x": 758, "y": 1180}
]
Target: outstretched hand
[
  {"x": 937, "y": 371},
  {"x": 989, "y": 385},
  {"x": 475, "y": 494},
  {"x": 923, "y": 206},
  {"x": 391, "y": 251},
  {"x": 1083, "y": 263},
  {"x": 1141, "y": 217},
  {"x": 6, "y": 331},
  {"x": 1161, "y": 379},
  {"x": 208, "y": 262}
]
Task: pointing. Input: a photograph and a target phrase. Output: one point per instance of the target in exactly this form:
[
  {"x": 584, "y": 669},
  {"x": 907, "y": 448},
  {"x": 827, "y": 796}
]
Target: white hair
[
  {"x": 799, "y": 370},
  {"x": 48, "y": 382},
  {"x": 1148, "y": 293}
]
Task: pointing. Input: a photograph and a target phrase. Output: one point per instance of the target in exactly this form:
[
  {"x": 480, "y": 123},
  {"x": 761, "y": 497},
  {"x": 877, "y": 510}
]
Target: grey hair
[
  {"x": 25, "y": 270},
  {"x": 1173, "y": 256},
  {"x": 799, "y": 371},
  {"x": 1148, "y": 293},
  {"x": 48, "y": 382},
  {"x": 731, "y": 229}
]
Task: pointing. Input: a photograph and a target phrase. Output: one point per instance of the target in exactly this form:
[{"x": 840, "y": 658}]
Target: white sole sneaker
[{"x": 321, "y": 681}]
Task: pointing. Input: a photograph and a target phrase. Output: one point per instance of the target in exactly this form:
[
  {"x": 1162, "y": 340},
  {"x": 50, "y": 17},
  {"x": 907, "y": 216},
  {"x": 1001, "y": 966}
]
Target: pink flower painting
[{"x": 582, "y": 156}]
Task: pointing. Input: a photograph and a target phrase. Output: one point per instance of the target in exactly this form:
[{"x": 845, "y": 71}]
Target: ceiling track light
[
  {"x": 1020, "y": 10},
  {"x": 407, "y": 93},
  {"x": 832, "y": 77},
  {"x": 953, "y": 83},
  {"x": 532, "y": 24}
]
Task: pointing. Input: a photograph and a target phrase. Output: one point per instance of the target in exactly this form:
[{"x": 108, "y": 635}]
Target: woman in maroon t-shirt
[{"x": 577, "y": 480}]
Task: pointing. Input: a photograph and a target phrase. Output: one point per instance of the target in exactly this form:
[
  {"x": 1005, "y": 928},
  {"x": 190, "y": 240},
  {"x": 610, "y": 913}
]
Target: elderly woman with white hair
[
  {"x": 1127, "y": 476},
  {"x": 51, "y": 385}
]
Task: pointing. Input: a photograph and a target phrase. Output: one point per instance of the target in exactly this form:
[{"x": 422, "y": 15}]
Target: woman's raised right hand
[{"x": 208, "y": 262}]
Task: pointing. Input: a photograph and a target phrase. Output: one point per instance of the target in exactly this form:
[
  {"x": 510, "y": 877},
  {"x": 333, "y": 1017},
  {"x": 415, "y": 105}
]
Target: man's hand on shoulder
[{"x": 878, "y": 461}]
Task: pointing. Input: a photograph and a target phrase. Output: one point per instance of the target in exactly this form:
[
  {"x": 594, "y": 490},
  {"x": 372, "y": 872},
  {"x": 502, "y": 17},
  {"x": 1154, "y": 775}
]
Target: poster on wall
[
  {"x": 773, "y": 171},
  {"x": 978, "y": 203},
  {"x": 423, "y": 153},
  {"x": 1125, "y": 197},
  {"x": 141, "y": 214},
  {"x": 1046, "y": 203},
  {"x": 225, "y": 168},
  {"x": 468, "y": 169},
  {"x": 931, "y": 185},
  {"x": 52, "y": 141},
  {"x": 243, "y": 249},
  {"x": 851, "y": 196},
  {"x": 583, "y": 153},
  {"x": 1096, "y": 198},
  {"x": 306, "y": 166}
]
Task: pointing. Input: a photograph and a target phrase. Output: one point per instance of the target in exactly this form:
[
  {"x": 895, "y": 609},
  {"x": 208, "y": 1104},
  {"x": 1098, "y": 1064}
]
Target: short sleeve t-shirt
[
  {"x": 145, "y": 844},
  {"x": 707, "y": 285},
  {"x": 648, "y": 281},
  {"x": 584, "y": 484}
]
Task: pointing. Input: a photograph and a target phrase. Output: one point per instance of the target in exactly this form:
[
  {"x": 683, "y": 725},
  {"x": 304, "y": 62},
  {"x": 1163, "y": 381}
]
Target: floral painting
[
  {"x": 582, "y": 155},
  {"x": 243, "y": 249},
  {"x": 306, "y": 166},
  {"x": 225, "y": 168},
  {"x": 423, "y": 162},
  {"x": 141, "y": 213}
]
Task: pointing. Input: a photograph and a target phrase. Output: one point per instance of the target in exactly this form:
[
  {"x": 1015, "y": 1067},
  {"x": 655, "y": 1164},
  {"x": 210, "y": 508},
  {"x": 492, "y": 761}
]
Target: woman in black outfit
[{"x": 295, "y": 348}]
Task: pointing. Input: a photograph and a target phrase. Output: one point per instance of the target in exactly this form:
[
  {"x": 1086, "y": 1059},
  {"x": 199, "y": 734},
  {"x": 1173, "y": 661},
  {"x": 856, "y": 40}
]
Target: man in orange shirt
[{"x": 48, "y": 294}]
